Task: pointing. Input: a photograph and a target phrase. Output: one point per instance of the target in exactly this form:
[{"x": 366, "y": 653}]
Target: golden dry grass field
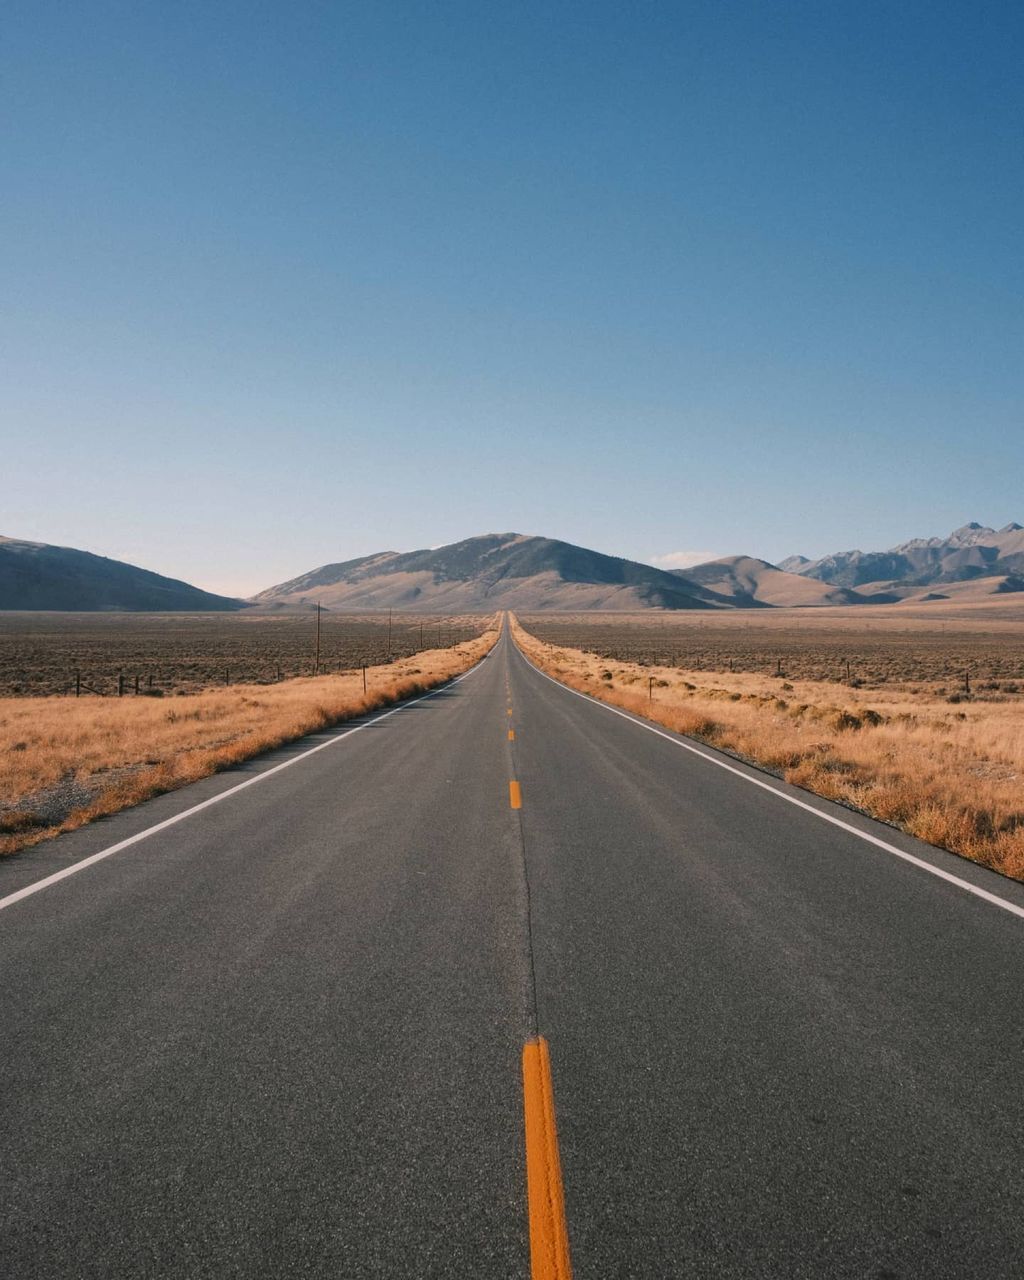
[
  {"x": 65, "y": 760},
  {"x": 903, "y": 742}
]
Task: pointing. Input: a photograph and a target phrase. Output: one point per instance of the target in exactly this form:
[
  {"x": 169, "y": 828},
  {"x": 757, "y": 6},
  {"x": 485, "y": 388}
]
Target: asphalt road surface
[{"x": 284, "y": 1035}]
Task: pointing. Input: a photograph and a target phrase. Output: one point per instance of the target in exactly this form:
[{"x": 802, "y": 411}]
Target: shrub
[{"x": 17, "y": 820}]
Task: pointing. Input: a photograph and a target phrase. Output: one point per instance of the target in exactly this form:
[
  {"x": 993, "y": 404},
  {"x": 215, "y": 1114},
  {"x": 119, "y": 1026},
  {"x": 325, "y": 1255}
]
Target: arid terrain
[
  {"x": 928, "y": 645},
  {"x": 68, "y": 760},
  {"x": 901, "y": 738},
  {"x": 46, "y": 653}
]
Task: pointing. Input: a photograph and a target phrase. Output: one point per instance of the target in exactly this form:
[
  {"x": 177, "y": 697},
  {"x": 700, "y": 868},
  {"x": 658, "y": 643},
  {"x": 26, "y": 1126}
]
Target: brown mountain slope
[
  {"x": 752, "y": 583},
  {"x": 494, "y": 571},
  {"x": 36, "y": 575}
]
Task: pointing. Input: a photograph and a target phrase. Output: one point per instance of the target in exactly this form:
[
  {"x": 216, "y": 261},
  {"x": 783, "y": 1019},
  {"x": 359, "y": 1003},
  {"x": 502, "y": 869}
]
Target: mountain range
[
  {"x": 528, "y": 573},
  {"x": 749, "y": 583},
  {"x": 970, "y": 553}
]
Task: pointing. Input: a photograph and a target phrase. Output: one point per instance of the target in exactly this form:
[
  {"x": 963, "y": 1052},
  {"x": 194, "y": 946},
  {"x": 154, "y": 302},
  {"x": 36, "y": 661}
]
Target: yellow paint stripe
[
  {"x": 549, "y": 1238},
  {"x": 509, "y": 711},
  {"x": 511, "y": 735},
  {"x": 515, "y": 796}
]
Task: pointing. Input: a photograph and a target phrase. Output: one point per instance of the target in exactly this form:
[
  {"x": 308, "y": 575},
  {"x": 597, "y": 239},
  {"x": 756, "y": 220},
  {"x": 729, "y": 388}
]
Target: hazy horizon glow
[{"x": 287, "y": 285}]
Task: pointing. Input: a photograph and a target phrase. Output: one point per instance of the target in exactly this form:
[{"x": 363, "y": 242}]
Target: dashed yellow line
[
  {"x": 515, "y": 796},
  {"x": 549, "y": 1237},
  {"x": 511, "y": 735}
]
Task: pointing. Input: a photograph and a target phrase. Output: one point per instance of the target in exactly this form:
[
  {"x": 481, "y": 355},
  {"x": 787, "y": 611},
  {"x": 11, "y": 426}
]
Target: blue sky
[{"x": 288, "y": 283}]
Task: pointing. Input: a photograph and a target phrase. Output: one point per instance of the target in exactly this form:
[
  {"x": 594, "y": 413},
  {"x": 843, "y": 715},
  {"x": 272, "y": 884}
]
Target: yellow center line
[
  {"x": 515, "y": 796},
  {"x": 511, "y": 735},
  {"x": 549, "y": 1237}
]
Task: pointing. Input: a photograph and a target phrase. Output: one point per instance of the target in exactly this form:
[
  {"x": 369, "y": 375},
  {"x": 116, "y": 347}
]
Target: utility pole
[{"x": 316, "y": 665}]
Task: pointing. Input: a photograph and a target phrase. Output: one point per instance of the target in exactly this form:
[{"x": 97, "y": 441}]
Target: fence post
[
  {"x": 120, "y": 684},
  {"x": 364, "y": 677},
  {"x": 316, "y": 664},
  {"x": 136, "y": 684},
  {"x": 78, "y": 684}
]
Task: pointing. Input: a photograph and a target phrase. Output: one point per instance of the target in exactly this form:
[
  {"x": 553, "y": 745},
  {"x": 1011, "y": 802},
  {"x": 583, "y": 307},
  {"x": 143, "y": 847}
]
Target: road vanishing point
[{"x": 506, "y": 983}]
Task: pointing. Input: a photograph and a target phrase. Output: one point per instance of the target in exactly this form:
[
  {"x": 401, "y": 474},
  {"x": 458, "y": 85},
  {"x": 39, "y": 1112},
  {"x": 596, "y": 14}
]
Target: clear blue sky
[{"x": 293, "y": 282}]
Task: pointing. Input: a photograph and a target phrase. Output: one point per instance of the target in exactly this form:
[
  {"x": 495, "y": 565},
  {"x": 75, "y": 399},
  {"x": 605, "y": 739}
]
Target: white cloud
[{"x": 682, "y": 559}]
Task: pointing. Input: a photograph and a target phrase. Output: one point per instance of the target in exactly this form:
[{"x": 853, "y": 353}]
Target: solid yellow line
[
  {"x": 511, "y": 735},
  {"x": 549, "y": 1238},
  {"x": 515, "y": 796}
]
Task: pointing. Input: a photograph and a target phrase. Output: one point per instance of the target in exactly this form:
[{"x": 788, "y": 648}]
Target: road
[{"x": 286, "y": 1035}]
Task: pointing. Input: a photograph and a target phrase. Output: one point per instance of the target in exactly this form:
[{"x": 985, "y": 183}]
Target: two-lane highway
[
  {"x": 296, "y": 1033},
  {"x": 282, "y": 1037}
]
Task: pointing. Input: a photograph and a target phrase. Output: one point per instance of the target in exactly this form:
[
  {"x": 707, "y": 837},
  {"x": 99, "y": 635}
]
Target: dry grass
[
  {"x": 948, "y": 774},
  {"x": 67, "y": 760}
]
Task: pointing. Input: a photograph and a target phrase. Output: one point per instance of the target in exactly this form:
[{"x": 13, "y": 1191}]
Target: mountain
[
  {"x": 35, "y": 575},
  {"x": 750, "y": 583},
  {"x": 971, "y": 552},
  {"x": 792, "y": 564},
  {"x": 494, "y": 571}
]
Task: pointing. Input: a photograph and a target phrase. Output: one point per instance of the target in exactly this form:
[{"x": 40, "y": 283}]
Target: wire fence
[{"x": 129, "y": 659}]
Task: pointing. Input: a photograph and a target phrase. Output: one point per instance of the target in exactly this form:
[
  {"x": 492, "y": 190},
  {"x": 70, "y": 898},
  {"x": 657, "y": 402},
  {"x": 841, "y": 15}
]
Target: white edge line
[
  {"x": 57, "y": 876},
  {"x": 800, "y": 804}
]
